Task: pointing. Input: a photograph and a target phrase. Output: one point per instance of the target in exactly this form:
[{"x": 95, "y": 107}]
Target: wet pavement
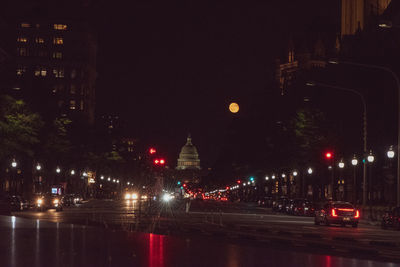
[{"x": 27, "y": 242}]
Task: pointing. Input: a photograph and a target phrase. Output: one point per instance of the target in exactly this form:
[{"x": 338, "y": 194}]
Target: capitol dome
[{"x": 189, "y": 157}]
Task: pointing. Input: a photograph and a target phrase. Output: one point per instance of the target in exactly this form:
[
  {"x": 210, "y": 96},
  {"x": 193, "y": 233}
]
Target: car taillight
[
  {"x": 357, "y": 214},
  {"x": 334, "y": 213}
]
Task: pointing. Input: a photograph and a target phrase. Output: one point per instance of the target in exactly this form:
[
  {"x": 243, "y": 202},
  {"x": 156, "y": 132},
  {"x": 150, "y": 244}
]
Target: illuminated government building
[{"x": 189, "y": 157}]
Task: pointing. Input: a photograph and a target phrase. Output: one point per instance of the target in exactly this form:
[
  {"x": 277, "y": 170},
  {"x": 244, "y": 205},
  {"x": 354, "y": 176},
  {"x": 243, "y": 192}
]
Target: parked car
[
  {"x": 297, "y": 207},
  {"x": 18, "y": 203},
  {"x": 308, "y": 209},
  {"x": 265, "y": 202},
  {"x": 68, "y": 200},
  {"x": 280, "y": 204},
  {"x": 78, "y": 199},
  {"x": 337, "y": 212},
  {"x": 391, "y": 219}
]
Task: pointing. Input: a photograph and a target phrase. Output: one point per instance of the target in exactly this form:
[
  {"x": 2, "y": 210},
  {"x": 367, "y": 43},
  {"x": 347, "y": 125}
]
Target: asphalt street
[
  {"x": 27, "y": 242},
  {"x": 236, "y": 222}
]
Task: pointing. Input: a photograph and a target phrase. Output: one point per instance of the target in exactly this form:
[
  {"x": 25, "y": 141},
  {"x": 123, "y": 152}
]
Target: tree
[{"x": 19, "y": 128}]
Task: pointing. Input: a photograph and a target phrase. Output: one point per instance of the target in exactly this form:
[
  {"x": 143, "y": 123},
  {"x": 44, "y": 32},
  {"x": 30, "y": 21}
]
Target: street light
[
  {"x": 370, "y": 157},
  {"x": 334, "y": 61},
  {"x": 72, "y": 172},
  {"x": 390, "y": 153},
  {"x": 102, "y": 177},
  {"x": 58, "y": 170},
  {"x": 295, "y": 173},
  {"x": 354, "y": 162},
  {"x": 14, "y": 163},
  {"x": 273, "y": 177},
  {"x": 38, "y": 167},
  {"x": 310, "y": 170},
  {"x": 266, "y": 178},
  {"x": 108, "y": 179},
  {"x": 283, "y": 175},
  {"x": 396, "y": 78},
  {"x": 341, "y": 164}
]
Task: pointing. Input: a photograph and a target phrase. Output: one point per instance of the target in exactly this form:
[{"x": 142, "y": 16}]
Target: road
[
  {"x": 235, "y": 222},
  {"x": 27, "y": 242}
]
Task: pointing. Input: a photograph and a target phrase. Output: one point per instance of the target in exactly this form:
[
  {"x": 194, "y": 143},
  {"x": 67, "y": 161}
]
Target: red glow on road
[{"x": 156, "y": 251}]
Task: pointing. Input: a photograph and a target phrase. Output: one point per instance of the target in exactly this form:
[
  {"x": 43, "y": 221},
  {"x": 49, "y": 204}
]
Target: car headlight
[
  {"x": 134, "y": 196},
  {"x": 166, "y": 197},
  {"x": 127, "y": 196},
  {"x": 144, "y": 197},
  {"x": 39, "y": 201}
]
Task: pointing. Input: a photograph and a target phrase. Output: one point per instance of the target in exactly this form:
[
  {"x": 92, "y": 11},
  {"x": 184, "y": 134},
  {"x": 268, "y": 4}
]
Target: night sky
[{"x": 170, "y": 69}]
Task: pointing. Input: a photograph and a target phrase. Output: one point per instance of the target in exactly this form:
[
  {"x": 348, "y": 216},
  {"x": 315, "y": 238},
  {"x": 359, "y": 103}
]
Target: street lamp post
[
  {"x": 370, "y": 159},
  {"x": 396, "y": 78},
  {"x": 354, "y": 162},
  {"x": 364, "y": 127}
]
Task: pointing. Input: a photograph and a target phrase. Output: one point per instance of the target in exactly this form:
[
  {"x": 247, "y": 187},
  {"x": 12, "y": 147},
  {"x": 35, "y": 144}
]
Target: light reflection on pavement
[{"x": 27, "y": 242}]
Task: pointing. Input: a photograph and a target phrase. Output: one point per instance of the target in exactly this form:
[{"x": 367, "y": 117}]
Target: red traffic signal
[
  {"x": 159, "y": 161},
  {"x": 152, "y": 151},
  {"x": 328, "y": 155},
  {"x": 238, "y": 181}
]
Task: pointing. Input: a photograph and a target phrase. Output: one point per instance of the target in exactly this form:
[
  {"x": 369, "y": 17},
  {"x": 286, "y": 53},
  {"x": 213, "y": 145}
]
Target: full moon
[{"x": 234, "y": 107}]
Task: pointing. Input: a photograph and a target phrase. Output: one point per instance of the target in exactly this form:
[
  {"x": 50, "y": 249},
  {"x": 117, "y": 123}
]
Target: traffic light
[
  {"x": 159, "y": 161},
  {"x": 238, "y": 181},
  {"x": 328, "y": 155},
  {"x": 152, "y": 151},
  {"x": 178, "y": 183},
  {"x": 252, "y": 179}
]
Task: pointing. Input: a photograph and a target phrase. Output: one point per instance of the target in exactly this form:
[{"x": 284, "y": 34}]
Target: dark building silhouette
[{"x": 51, "y": 62}]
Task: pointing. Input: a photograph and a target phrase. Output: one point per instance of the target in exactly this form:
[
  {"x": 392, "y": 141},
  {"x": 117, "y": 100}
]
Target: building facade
[
  {"x": 52, "y": 66},
  {"x": 355, "y": 14},
  {"x": 189, "y": 157}
]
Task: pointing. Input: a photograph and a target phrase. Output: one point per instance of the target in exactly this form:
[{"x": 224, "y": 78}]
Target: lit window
[
  {"x": 21, "y": 71},
  {"x": 58, "y": 73},
  {"x": 58, "y": 40},
  {"x": 39, "y": 40},
  {"x": 72, "y": 89},
  {"x": 60, "y": 27},
  {"x": 22, "y": 39},
  {"x": 40, "y": 71},
  {"x": 22, "y": 51},
  {"x": 57, "y": 55},
  {"x": 25, "y": 25},
  {"x": 72, "y": 104}
]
